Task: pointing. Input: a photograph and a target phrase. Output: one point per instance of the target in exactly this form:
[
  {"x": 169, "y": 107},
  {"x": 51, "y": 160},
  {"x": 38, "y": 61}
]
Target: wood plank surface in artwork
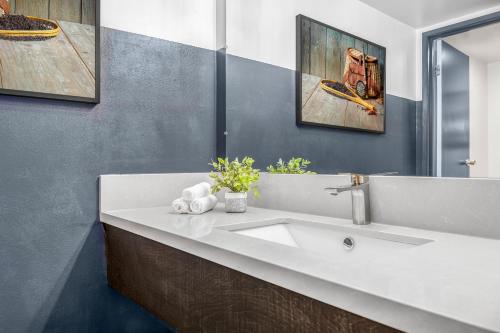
[
  {"x": 321, "y": 107},
  {"x": 39, "y": 8},
  {"x": 82, "y": 37},
  {"x": 306, "y": 46},
  {"x": 196, "y": 295},
  {"x": 77, "y": 11},
  {"x": 88, "y": 12},
  {"x": 51, "y": 66},
  {"x": 356, "y": 117},
  {"x": 309, "y": 85},
  {"x": 318, "y": 49},
  {"x": 67, "y": 10},
  {"x": 345, "y": 43},
  {"x": 333, "y": 56},
  {"x": 360, "y": 45}
]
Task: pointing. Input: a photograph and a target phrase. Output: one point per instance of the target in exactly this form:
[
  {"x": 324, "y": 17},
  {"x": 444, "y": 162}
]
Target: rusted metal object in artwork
[
  {"x": 362, "y": 73},
  {"x": 373, "y": 77},
  {"x": 4, "y": 7}
]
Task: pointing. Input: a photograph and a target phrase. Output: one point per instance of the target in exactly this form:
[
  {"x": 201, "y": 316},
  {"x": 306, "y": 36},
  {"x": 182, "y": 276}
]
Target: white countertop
[{"x": 450, "y": 285}]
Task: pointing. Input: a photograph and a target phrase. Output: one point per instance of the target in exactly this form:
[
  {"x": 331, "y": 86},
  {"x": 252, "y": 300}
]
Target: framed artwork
[
  {"x": 340, "y": 79},
  {"x": 50, "y": 49}
]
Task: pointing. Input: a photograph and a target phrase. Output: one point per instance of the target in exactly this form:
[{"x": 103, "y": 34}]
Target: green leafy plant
[
  {"x": 296, "y": 166},
  {"x": 236, "y": 176}
]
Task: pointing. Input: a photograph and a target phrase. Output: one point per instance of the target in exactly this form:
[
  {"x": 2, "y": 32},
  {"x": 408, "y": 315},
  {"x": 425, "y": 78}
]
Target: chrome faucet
[{"x": 360, "y": 193}]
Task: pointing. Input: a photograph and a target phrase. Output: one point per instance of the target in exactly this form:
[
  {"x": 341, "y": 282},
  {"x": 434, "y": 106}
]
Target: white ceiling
[
  {"x": 424, "y": 13},
  {"x": 482, "y": 44}
]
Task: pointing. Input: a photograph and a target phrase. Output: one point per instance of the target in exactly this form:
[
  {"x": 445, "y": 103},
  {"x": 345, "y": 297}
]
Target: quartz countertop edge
[{"x": 396, "y": 295}]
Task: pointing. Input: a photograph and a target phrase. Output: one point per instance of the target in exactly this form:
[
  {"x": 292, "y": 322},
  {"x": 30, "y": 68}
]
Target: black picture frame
[
  {"x": 298, "y": 78},
  {"x": 97, "y": 98}
]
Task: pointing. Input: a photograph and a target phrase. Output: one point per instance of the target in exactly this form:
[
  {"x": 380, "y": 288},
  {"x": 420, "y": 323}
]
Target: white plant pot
[{"x": 236, "y": 202}]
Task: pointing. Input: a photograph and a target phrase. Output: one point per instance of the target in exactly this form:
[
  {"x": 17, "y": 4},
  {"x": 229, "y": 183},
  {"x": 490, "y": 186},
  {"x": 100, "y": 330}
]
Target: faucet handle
[
  {"x": 390, "y": 173},
  {"x": 339, "y": 189},
  {"x": 359, "y": 179}
]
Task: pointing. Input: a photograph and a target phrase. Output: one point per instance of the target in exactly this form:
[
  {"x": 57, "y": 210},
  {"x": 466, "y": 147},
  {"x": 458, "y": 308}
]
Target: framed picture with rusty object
[
  {"x": 340, "y": 79},
  {"x": 50, "y": 49}
]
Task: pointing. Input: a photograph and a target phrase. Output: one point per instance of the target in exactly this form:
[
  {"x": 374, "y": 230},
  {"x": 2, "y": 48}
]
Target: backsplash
[
  {"x": 463, "y": 206},
  {"x": 456, "y": 205}
]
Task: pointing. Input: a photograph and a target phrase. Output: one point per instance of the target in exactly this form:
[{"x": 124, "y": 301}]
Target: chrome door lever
[{"x": 468, "y": 162}]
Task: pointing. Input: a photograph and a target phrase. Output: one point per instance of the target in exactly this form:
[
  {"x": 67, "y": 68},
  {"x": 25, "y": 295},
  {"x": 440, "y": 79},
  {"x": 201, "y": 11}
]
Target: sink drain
[{"x": 348, "y": 243}]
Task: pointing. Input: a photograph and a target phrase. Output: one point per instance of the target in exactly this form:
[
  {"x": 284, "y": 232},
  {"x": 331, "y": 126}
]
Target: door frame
[{"x": 426, "y": 120}]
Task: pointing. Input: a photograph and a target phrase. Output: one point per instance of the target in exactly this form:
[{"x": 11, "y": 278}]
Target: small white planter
[{"x": 236, "y": 202}]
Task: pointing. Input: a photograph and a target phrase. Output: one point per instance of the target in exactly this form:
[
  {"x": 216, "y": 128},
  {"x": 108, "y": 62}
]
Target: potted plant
[
  {"x": 296, "y": 166},
  {"x": 238, "y": 178}
]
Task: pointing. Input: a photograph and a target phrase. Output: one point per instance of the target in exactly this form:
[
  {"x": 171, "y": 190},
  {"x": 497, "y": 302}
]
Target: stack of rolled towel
[{"x": 196, "y": 199}]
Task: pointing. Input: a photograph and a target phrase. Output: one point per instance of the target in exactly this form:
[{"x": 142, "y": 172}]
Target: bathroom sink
[{"x": 325, "y": 238}]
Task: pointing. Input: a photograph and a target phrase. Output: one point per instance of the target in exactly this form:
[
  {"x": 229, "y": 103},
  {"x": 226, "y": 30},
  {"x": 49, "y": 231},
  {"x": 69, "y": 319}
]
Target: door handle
[{"x": 468, "y": 162}]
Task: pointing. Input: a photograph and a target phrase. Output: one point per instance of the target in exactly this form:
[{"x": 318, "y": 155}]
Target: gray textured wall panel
[
  {"x": 261, "y": 123},
  {"x": 157, "y": 115}
]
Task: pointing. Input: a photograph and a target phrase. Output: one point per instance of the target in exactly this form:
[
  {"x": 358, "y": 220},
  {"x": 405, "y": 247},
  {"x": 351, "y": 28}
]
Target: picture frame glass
[
  {"x": 340, "y": 79},
  {"x": 50, "y": 49}
]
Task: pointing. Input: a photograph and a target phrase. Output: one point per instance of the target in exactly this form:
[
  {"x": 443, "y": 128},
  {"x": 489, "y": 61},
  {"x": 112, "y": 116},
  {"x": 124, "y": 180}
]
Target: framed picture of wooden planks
[
  {"x": 51, "y": 49},
  {"x": 340, "y": 79}
]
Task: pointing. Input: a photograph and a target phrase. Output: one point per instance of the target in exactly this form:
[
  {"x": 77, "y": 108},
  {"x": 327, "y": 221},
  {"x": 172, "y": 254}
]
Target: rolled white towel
[
  {"x": 180, "y": 206},
  {"x": 202, "y": 205},
  {"x": 197, "y": 191}
]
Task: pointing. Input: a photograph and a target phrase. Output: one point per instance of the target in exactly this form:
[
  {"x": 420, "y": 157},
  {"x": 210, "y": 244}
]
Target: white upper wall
[
  {"x": 494, "y": 120},
  {"x": 478, "y": 116},
  {"x": 264, "y": 30},
  {"x": 220, "y": 14},
  {"x": 423, "y": 13},
  {"x": 191, "y": 22},
  {"x": 483, "y": 43}
]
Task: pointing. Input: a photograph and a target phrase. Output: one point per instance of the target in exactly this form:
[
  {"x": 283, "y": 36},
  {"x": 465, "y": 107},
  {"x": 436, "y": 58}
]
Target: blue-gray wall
[
  {"x": 261, "y": 123},
  {"x": 157, "y": 115}
]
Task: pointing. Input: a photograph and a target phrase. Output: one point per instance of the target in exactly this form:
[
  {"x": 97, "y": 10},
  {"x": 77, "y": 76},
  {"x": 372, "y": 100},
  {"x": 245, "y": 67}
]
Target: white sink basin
[{"x": 326, "y": 238}]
